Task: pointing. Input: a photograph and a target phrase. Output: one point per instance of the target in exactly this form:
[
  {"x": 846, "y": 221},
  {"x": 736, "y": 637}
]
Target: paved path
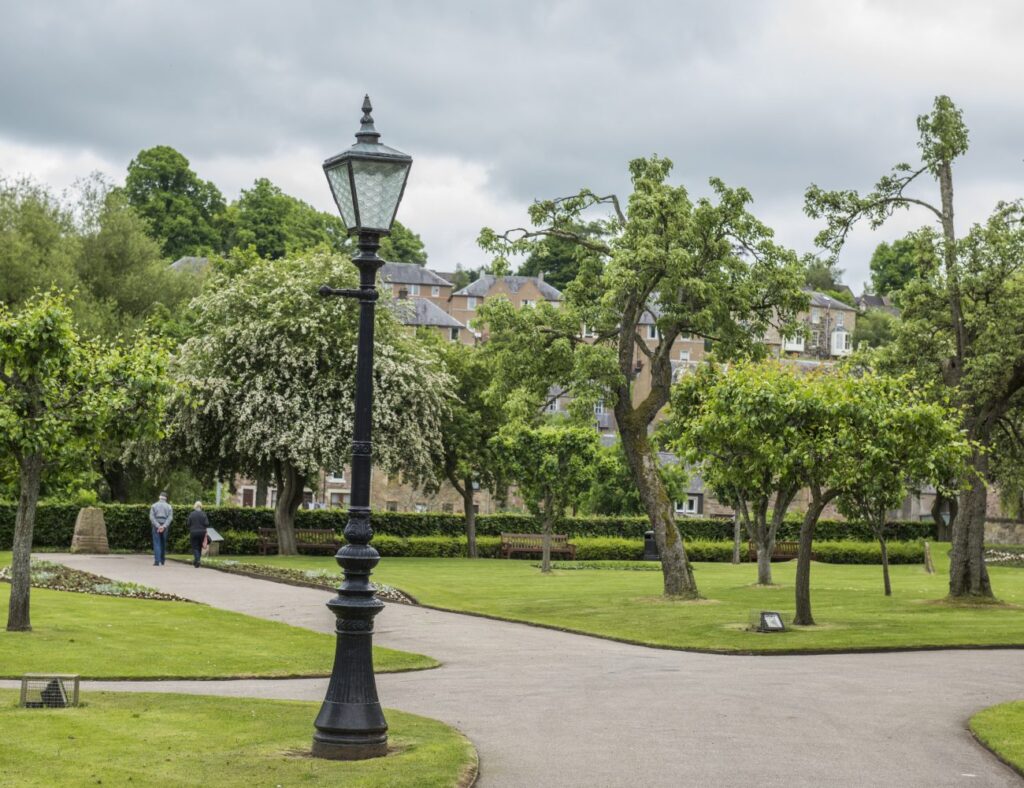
[{"x": 547, "y": 708}]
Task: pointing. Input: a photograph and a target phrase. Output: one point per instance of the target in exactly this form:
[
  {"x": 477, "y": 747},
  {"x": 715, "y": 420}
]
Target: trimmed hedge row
[
  {"x": 588, "y": 548},
  {"x": 128, "y": 525}
]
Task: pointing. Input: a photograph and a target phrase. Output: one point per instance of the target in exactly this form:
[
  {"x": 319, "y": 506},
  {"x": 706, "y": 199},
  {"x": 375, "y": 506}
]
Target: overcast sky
[{"x": 500, "y": 103}]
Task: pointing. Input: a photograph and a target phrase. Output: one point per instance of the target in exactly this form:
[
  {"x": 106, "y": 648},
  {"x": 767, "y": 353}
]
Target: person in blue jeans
[{"x": 160, "y": 516}]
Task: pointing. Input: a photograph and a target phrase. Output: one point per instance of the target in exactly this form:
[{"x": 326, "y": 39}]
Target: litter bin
[{"x": 650, "y": 547}]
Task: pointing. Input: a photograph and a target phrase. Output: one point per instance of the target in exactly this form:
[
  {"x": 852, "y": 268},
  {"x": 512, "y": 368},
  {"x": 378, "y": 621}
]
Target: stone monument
[{"x": 90, "y": 532}]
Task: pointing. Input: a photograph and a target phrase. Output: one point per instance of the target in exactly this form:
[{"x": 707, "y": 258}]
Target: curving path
[{"x": 547, "y": 708}]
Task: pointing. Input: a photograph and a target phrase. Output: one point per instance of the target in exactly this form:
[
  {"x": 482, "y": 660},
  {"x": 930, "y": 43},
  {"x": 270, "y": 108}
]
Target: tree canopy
[
  {"x": 182, "y": 209},
  {"x": 708, "y": 268},
  {"x": 267, "y": 381},
  {"x": 895, "y": 265}
]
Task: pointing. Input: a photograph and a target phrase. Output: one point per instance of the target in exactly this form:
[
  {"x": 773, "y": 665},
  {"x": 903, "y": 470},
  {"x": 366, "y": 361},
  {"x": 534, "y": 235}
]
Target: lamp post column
[{"x": 351, "y": 724}]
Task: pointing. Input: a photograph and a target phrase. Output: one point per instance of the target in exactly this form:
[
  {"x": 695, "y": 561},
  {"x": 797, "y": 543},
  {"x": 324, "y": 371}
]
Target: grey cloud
[{"x": 551, "y": 95}]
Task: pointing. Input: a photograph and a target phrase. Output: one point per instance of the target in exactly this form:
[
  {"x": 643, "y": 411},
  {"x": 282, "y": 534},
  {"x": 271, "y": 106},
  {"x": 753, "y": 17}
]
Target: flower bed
[{"x": 58, "y": 577}]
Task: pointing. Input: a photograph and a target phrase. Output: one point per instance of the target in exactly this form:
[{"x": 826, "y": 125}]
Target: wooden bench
[
  {"x": 305, "y": 538},
  {"x": 784, "y": 551},
  {"x": 534, "y": 543}
]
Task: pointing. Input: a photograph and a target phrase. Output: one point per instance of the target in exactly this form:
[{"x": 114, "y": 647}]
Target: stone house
[{"x": 519, "y": 290}]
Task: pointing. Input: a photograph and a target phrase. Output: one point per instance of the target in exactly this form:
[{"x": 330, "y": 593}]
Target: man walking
[
  {"x": 160, "y": 516},
  {"x": 197, "y": 523}
]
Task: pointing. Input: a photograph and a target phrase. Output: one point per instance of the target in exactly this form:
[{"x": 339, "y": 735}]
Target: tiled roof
[
  {"x": 423, "y": 312},
  {"x": 481, "y": 286},
  {"x": 411, "y": 274},
  {"x": 828, "y": 302},
  {"x": 190, "y": 264}
]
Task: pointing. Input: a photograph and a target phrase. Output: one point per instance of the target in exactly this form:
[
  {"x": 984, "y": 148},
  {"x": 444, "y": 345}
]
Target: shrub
[{"x": 850, "y": 552}]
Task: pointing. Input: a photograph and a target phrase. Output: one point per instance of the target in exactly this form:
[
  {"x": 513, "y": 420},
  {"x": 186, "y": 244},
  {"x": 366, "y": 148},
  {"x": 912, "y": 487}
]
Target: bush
[{"x": 850, "y": 552}]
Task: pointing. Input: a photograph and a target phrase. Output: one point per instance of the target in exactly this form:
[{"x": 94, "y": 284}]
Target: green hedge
[{"x": 128, "y": 525}]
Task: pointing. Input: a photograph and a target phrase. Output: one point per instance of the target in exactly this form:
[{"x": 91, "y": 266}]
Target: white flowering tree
[{"x": 267, "y": 382}]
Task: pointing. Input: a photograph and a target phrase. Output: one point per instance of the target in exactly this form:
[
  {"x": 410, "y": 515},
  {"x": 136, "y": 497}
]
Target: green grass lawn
[
  {"x": 849, "y": 607},
  {"x": 1001, "y": 728},
  {"x": 157, "y": 739},
  {"x": 107, "y": 637}
]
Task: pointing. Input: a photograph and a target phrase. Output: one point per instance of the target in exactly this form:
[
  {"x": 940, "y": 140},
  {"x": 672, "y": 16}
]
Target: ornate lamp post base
[{"x": 349, "y": 750}]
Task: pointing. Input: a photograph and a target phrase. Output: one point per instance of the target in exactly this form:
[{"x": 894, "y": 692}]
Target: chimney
[{"x": 540, "y": 276}]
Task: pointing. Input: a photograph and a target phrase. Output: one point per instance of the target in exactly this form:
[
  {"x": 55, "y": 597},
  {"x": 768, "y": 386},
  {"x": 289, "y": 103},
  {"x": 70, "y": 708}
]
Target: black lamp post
[{"x": 368, "y": 181}]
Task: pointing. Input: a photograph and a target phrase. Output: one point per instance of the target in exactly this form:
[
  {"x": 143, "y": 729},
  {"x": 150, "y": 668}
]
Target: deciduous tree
[
  {"x": 268, "y": 382},
  {"x": 707, "y": 268},
  {"x": 58, "y": 393},
  {"x": 552, "y": 464},
  {"x": 962, "y": 324}
]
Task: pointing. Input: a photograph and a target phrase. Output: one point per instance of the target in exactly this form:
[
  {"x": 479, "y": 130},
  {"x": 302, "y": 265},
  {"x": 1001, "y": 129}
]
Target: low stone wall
[{"x": 1003, "y": 530}]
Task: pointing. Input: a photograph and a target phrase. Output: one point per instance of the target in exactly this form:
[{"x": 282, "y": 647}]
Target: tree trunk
[
  {"x": 30, "y": 477},
  {"x": 737, "y": 535},
  {"x": 262, "y": 488},
  {"x": 289, "y": 498},
  {"x": 470, "y": 515},
  {"x": 675, "y": 568},
  {"x": 803, "y": 615},
  {"x": 545, "y": 554},
  {"x": 764, "y": 562},
  {"x": 885, "y": 566},
  {"x": 968, "y": 575},
  {"x": 117, "y": 481}
]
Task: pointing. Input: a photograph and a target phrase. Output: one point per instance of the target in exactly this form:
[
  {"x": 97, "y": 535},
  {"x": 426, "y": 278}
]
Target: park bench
[
  {"x": 534, "y": 543},
  {"x": 784, "y": 551},
  {"x": 305, "y": 538}
]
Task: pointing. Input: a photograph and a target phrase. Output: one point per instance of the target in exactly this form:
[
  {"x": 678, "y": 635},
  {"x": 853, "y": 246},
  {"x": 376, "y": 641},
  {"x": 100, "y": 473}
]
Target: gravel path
[{"x": 547, "y": 708}]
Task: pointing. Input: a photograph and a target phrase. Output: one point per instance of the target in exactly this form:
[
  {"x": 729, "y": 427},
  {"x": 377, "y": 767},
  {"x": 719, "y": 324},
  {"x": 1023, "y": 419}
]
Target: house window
[
  {"x": 529, "y": 302},
  {"x": 471, "y": 303},
  {"x": 684, "y": 355},
  {"x": 391, "y": 506},
  {"x": 815, "y": 315},
  {"x": 686, "y": 337},
  {"x": 248, "y": 496},
  {"x": 336, "y": 476},
  {"x": 453, "y": 334},
  {"x": 414, "y": 290},
  {"x": 447, "y": 508},
  {"x": 421, "y": 507},
  {"x": 840, "y": 317},
  {"x": 589, "y": 332},
  {"x": 272, "y": 497},
  {"x": 694, "y": 504},
  {"x": 652, "y": 332},
  {"x": 339, "y": 500},
  {"x": 435, "y": 290},
  {"x": 599, "y": 407}
]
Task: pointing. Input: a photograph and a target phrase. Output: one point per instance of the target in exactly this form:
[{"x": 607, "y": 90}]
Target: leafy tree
[
  {"x": 897, "y": 443},
  {"x": 748, "y": 430},
  {"x": 267, "y": 382},
  {"x": 822, "y": 275},
  {"x": 875, "y": 328},
  {"x": 58, "y": 393},
  {"x": 403, "y": 246},
  {"x": 559, "y": 258},
  {"x": 468, "y": 457},
  {"x": 962, "y": 324},
  {"x": 38, "y": 243},
  {"x": 182, "y": 209},
  {"x": 708, "y": 268},
  {"x": 612, "y": 491},
  {"x": 553, "y": 464},
  {"x": 464, "y": 276},
  {"x": 894, "y": 265},
  {"x": 277, "y": 224}
]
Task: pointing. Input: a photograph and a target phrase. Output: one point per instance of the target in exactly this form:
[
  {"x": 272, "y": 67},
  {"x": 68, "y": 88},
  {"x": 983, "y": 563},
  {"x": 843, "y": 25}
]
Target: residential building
[
  {"x": 411, "y": 280},
  {"x": 521, "y": 291},
  {"x": 827, "y": 334}
]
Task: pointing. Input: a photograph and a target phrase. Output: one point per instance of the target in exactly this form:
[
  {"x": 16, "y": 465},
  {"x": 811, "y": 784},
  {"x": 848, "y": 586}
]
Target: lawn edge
[
  {"x": 981, "y": 742},
  {"x": 660, "y": 646}
]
